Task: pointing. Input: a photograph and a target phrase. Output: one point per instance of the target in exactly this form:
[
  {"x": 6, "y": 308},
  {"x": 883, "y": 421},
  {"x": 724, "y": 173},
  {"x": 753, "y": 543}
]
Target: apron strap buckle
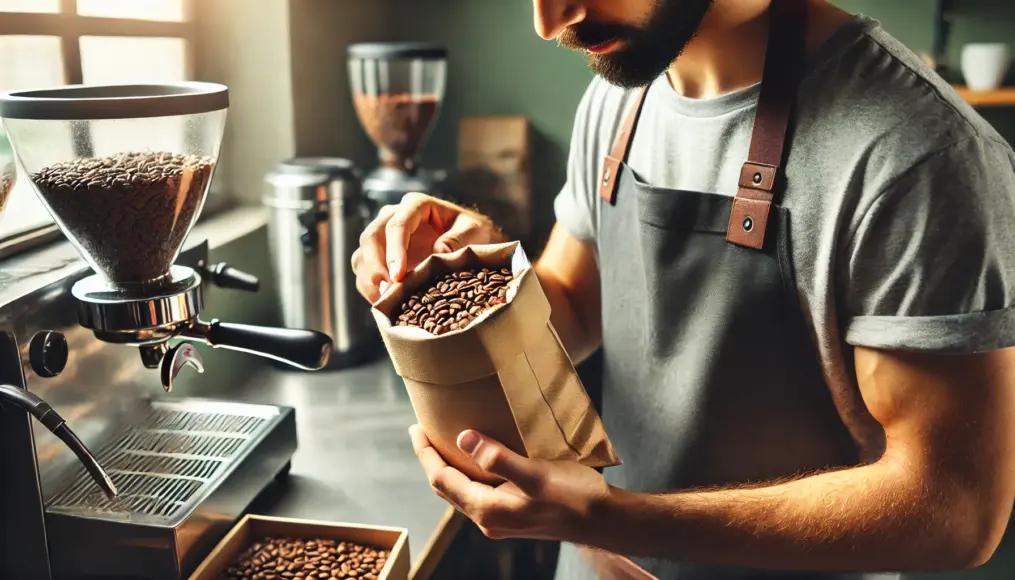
[
  {"x": 608, "y": 181},
  {"x": 748, "y": 221},
  {"x": 758, "y": 176}
]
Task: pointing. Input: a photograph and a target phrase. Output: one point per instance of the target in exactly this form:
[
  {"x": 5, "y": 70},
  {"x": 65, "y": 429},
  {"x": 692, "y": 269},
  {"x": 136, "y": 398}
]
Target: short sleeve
[
  {"x": 931, "y": 266},
  {"x": 573, "y": 206}
]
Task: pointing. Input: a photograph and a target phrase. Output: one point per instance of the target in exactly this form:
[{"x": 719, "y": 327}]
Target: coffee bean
[
  {"x": 130, "y": 220},
  {"x": 277, "y": 558},
  {"x": 452, "y": 301}
]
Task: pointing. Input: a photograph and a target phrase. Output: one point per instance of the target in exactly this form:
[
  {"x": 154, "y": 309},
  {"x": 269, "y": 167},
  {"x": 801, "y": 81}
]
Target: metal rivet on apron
[
  {"x": 757, "y": 179},
  {"x": 606, "y": 175},
  {"x": 748, "y": 224}
]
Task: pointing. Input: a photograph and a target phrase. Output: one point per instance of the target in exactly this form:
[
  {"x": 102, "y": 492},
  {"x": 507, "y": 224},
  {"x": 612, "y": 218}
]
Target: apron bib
[{"x": 711, "y": 375}]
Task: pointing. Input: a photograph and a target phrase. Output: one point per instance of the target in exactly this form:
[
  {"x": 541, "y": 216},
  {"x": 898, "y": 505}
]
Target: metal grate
[{"x": 161, "y": 462}]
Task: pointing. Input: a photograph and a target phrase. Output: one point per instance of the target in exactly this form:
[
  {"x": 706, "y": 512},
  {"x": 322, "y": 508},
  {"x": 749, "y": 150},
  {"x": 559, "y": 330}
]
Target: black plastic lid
[{"x": 397, "y": 51}]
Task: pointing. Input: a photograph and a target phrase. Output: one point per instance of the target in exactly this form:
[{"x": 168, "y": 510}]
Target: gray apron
[{"x": 711, "y": 376}]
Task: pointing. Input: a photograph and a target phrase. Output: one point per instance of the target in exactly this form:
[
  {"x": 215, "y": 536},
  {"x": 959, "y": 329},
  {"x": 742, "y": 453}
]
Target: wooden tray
[{"x": 252, "y": 528}]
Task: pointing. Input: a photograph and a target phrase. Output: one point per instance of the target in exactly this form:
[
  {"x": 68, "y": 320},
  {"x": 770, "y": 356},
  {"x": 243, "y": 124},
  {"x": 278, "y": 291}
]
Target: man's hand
[
  {"x": 404, "y": 235},
  {"x": 549, "y": 500}
]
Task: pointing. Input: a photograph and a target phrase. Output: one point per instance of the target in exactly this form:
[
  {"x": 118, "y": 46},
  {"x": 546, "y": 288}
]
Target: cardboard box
[
  {"x": 253, "y": 528},
  {"x": 505, "y": 375}
]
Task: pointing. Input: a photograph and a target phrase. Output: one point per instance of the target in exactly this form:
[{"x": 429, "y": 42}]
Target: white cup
[{"x": 985, "y": 65}]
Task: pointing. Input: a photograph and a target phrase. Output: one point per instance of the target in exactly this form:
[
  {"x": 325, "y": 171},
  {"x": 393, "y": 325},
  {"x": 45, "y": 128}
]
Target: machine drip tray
[{"x": 185, "y": 472}]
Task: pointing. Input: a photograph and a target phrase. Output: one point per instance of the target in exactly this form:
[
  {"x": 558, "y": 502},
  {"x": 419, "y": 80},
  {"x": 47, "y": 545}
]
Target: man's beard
[{"x": 648, "y": 49}]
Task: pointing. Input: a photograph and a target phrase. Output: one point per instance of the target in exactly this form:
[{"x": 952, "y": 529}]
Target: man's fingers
[
  {"x": 490, "y": 508},
  {"x": 449, "y": 483},
  {"x": 463, "y": 231},
  {"x": 418, "y": 438},
  {"x": 494, "y": 457},
  {"x": 368, "y": 260},
  {"x": 398, "y": 232}
]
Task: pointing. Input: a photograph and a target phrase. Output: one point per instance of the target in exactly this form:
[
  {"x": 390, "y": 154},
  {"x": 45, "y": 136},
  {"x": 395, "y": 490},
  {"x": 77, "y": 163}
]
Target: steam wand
[{"x": 41, "y": 410}]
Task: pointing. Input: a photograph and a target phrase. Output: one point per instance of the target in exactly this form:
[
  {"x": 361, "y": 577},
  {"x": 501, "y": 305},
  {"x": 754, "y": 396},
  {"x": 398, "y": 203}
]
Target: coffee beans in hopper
[
  {"x": 455, "y": 299},
  {"x": 285, "y": 558},
  {"x": 130, "y": 212}
]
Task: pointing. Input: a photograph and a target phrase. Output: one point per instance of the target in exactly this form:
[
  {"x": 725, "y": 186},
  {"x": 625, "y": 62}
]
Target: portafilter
[{"x": 124, "y": 170}]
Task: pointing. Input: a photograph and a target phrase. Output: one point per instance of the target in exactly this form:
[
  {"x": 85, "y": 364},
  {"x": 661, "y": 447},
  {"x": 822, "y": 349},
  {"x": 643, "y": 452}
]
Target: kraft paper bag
[{"x": 505, "y": 375}]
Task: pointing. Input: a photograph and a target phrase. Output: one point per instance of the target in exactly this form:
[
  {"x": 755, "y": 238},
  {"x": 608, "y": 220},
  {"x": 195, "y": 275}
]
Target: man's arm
[
  {"x": 569, "y": 275},
  {"x": 939, "y": 498}
]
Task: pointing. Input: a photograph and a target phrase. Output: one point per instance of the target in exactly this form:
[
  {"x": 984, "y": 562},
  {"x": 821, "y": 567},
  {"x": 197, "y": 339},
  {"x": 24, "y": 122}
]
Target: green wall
[{"x": 498, "y": 65}]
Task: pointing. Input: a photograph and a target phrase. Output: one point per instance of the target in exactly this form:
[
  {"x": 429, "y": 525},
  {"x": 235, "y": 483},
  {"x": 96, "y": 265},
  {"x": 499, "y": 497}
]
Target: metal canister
[{"x": 319, "y": 213}]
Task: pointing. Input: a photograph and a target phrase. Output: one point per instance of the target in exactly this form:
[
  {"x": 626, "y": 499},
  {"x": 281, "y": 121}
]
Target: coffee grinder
[
  {"x": 125, "y": 170},
  {"x": 397, "y": 91}
]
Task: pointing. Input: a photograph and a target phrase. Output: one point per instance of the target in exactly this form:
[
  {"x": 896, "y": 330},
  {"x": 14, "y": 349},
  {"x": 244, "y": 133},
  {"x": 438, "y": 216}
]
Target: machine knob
[
  {"x": 225, "y": 276},
  {"x": 309, "y": 220},
  {"x": 48, "y": 353}
]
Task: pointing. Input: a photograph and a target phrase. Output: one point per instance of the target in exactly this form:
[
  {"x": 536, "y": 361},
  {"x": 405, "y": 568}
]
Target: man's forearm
[{"x": 869, "y": 518}]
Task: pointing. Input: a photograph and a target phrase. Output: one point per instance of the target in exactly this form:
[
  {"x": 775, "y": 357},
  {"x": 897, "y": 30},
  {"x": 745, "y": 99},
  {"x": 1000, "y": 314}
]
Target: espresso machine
[
  {"x": 397, "y": 91},
  {"x": 124, "y": 171}
]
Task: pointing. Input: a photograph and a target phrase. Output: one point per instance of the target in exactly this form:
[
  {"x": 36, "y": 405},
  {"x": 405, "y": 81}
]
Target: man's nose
[{"x": 553, "y": 16}]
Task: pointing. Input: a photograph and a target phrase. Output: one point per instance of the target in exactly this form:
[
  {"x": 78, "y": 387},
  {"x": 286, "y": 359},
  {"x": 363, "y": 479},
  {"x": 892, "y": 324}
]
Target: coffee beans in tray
[
  {"x": 129, "y": 212},
  {"x": 454, "y": 300},
  {"x": 278, "y": 558}
]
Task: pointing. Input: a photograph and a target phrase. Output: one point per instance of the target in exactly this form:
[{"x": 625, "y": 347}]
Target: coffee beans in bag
[{"x": 470, "y": 335}]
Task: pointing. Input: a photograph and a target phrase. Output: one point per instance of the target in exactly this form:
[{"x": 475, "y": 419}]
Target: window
[{"x": 50, "y": 43}]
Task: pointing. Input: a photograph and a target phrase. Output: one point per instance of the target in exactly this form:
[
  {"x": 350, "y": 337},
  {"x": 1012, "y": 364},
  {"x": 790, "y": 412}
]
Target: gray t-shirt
[{"x": 902, "y": 200}]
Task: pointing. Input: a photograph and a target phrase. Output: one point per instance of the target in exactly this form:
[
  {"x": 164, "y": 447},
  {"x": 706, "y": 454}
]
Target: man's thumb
[{"x": 497, "y": 459}]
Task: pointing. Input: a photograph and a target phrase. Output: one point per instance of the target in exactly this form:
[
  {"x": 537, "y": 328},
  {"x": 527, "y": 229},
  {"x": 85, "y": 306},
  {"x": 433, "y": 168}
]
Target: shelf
[{"x": 1003, "y": 97}]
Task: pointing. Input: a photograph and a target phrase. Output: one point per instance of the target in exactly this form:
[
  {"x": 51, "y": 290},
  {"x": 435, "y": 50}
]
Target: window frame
[{"x": 69, "y": 27}]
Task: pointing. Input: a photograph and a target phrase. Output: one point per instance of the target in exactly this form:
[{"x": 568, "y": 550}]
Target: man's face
[{"x": 628, "y": 42}]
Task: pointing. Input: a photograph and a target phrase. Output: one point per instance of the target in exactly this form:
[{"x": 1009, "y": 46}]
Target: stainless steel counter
[{"x": 355, "y": 462}]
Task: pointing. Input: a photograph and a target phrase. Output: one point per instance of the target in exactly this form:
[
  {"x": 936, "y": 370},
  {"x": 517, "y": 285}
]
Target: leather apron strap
[{"x": 784, "y": 65}]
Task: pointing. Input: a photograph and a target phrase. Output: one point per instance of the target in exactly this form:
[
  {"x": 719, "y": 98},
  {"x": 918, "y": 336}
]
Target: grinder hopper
[{"x": 125, "y": 170}]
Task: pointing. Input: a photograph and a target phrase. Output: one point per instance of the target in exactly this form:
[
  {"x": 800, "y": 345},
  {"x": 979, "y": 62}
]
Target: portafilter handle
[
  {"x": 45, "y": 414},
  {"x": 304, "y": 349}
]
